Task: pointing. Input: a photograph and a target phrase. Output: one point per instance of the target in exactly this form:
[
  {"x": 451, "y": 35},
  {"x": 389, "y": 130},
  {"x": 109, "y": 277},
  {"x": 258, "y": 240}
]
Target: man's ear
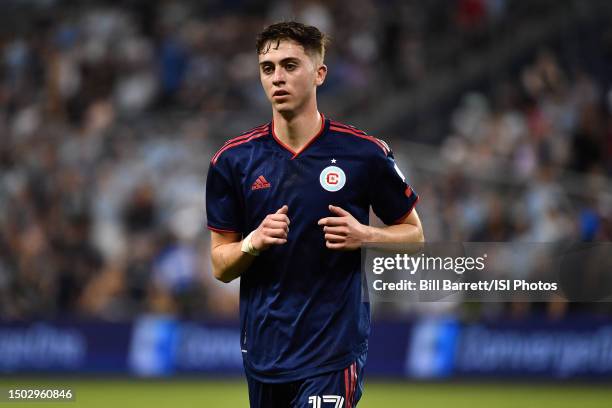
[{"x": 321, "y": 74}]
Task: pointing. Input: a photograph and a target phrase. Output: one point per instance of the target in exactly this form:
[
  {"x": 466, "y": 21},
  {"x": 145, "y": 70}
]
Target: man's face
[{"x": 289, "y": 75}]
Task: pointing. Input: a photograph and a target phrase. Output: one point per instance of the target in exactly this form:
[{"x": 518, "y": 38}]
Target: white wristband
[{"x": 247, "y": 246}]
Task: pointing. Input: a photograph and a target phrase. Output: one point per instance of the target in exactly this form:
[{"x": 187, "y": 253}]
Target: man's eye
[
  {"x": 290, "y": 67},
  {"x": 267, "y": 69}
]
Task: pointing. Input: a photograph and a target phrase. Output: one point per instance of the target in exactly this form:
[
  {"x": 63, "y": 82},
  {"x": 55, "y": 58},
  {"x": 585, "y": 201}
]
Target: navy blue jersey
[{"x": 301, "y": 308}]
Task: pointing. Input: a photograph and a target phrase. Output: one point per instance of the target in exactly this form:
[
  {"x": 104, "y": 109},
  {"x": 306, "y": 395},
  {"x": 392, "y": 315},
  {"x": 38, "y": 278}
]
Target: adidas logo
[{"x": 260, "y": 183}]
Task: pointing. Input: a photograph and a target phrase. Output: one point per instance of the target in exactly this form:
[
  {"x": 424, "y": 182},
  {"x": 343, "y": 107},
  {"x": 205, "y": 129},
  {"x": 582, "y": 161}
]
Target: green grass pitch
[{"x": 116, "y": 393}]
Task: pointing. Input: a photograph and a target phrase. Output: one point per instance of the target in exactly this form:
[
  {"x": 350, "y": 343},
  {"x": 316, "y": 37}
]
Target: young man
[{"x": 288, "y": 205}]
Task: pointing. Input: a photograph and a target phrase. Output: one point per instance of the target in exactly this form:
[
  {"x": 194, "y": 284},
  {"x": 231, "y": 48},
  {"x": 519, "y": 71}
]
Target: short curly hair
[{"x": 309, "y": 37}]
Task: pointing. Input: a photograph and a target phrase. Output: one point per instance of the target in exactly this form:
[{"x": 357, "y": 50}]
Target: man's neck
[{"x": 296, "y": 131}]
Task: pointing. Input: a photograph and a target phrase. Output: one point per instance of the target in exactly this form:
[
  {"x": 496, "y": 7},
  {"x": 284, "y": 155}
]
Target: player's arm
[
  {"x": 408, "y": 230},
  {"x": 231, "y": 255},
  {"x": 344, "y": 232},
  {"x": 228, "y": 260}
]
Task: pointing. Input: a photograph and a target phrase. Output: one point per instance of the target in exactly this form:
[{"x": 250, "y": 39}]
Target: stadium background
[{"x": 500, "y": 115}]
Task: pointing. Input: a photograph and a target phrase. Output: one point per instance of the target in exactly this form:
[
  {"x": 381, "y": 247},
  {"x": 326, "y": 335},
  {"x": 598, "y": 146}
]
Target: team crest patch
[{"x": 332, "y": 178}]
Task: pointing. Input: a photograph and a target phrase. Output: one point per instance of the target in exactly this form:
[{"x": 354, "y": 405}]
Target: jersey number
[{"x": 316, "y": 401}]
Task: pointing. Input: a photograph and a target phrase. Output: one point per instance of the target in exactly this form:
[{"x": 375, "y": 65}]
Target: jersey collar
[{"x": 324, "y": 125}]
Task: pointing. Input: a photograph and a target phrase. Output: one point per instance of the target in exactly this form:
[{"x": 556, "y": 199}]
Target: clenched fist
[
  {"x": 273, "y": 230},
  {"x": 343, "y": 232}
]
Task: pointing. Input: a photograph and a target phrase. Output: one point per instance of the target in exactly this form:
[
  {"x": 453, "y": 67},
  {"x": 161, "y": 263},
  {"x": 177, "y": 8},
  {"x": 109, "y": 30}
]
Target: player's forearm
[
  {"x": 401, "y": 233},
  {"x": 229, "y": 262}
]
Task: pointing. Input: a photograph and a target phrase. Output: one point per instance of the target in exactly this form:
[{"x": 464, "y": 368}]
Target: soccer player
[{"x": 288, "y": 204}]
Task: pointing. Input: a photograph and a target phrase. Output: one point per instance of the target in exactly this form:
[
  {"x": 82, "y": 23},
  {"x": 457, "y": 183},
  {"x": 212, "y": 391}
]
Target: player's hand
[
  {"x": 273, "y": 230},
  {"x": 343, "y": 232}
]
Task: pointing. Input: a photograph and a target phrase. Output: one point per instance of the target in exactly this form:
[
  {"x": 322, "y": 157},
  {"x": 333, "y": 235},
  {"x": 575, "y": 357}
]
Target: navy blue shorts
[{"x": 336, "y": 389}]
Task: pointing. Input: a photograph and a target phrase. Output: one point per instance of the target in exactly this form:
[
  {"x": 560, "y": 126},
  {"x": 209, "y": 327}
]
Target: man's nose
[{"x": 278, "y": 77}]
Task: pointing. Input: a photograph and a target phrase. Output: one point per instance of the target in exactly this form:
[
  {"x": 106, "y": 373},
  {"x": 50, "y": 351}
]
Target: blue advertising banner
[
  {"x": 64, "y": 347},
  {"x": 559, "y": 350},
  {"x": 433, "y": 348},
  {"x": 162, "y": 346}
]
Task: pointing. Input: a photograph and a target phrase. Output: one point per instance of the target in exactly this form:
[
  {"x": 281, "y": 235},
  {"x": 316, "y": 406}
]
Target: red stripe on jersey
[
  {"x": 221, "y": 230},
  {"x": 354, "y": 133},
  {"x": 355, "y": 384},
  {"x": 237, "y": 143},
  {"x": 346, "y": 389},
  {"x": 334, "y": 123},
  {"x": 352, "y": 390},
  {"x": 246, "y": 134}
]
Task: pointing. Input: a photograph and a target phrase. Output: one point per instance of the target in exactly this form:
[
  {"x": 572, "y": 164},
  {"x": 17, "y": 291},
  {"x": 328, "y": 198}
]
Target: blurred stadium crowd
[{"x": 110, "y": 112}]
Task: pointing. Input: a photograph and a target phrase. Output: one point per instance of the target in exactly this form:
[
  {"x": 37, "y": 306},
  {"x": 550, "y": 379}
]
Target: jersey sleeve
[
  {"x": 392, "y": 199},
  {"x": 224, "y": 211}
]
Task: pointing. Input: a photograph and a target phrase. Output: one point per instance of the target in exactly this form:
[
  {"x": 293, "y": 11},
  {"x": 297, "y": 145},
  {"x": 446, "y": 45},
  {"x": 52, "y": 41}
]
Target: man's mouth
[{"x": 280, "y": 93}]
